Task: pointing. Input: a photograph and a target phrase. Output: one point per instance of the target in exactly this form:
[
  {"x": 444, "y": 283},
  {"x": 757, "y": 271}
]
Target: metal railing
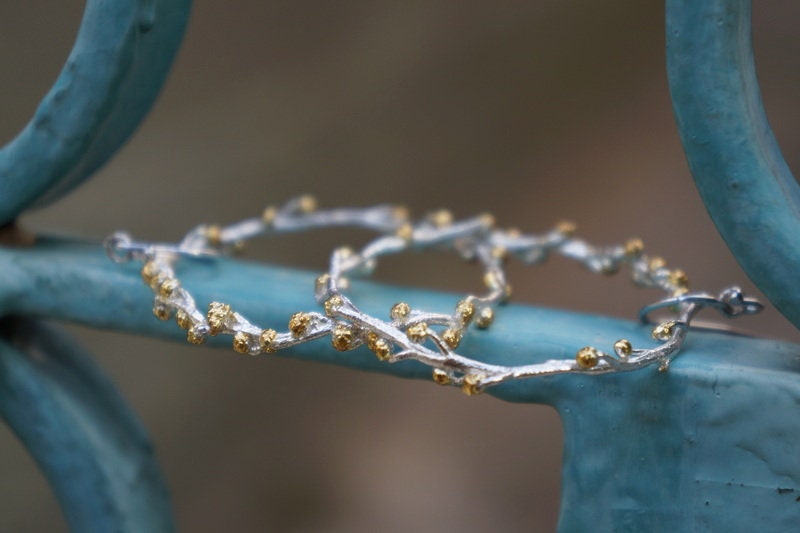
[{"x": 708, "y": 445}]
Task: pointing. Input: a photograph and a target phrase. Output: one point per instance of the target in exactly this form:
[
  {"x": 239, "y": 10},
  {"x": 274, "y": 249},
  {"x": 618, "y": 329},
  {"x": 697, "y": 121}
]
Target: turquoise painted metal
[
  {"x": 706, "y": 445},
  {"x": 709, "y": 445},
  {"x": 737, "y": 165},
  {"x": 116, "y": 68},
  {"x": 89, "y": 445}
]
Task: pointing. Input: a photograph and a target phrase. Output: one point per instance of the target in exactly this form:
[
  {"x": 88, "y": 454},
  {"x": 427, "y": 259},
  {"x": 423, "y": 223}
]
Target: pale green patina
[{"x": 709, "y": 445}]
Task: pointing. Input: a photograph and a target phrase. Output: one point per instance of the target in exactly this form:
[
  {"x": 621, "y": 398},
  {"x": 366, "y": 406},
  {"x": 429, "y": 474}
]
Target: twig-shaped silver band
[{"x": 430, "y": 338}]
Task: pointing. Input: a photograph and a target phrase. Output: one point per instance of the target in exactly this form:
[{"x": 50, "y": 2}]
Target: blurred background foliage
[{"x": 535, "y": 111}]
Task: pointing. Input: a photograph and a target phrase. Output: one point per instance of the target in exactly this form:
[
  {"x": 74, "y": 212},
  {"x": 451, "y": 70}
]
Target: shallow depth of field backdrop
[{"x": 536, "y": 111}]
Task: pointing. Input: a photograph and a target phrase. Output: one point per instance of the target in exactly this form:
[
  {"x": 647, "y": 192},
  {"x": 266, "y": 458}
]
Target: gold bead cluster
[{"x": 647, "y": 272}]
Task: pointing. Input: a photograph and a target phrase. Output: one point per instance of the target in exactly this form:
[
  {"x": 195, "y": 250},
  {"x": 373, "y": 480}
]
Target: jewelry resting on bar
[{"x": 430, "y": 338}]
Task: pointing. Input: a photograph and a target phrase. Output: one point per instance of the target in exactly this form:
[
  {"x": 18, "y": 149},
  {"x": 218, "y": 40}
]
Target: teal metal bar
[
  {"x": 705, "y": 445},
  {"x": 116, "y": 68},
  {"x": 737, "y": 165},
  {"x": 708, "y": 445},
  {"x": 89, "y": 445}
]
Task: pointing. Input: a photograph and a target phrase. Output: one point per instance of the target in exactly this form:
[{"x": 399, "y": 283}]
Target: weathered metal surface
[
  {"x": 742, "y": 177},
  {"x": 645, "y": 451},
  {"x": 708, "y": 445},
  {"x": 87, "y": 442},
  {"x": 89, "y": 445},
  {"x": 116, "y": 68}
]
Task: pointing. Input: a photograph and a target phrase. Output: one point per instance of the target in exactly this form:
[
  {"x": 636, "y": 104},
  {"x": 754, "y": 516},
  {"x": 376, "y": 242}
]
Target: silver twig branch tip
[{"x": 407, "y": 332}]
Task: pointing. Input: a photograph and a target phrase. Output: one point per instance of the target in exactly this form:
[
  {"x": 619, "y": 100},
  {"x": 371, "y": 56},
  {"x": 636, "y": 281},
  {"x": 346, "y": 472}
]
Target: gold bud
[
  {"x": 168, "y": 287},
  {"x": 500, "y": 253},
  {"x": 343, "y": 253},
  {"x": 587, "y": 357},
  {"x": 214, "y": 235},
  {"x": 441, "y": 376},
  {"x": 465, "y": 310},
  {"x": 321, "y": 286},
  {"x": 268, "y": 215},
  {"x": 417, "y": 332},
  {"x": 678, "y": 278},
  {"x": 452, "y": 337},
  {"x": 663, "y": 332},
  {"x": 195, "y": 336},
  {"x": 487, "y": 219},
  {"x": 307, "y": 203},
  {"x": 441, "y": 218},
  {"x": 405, "y": 232},
  {"x": 400, "y": 212},
  {"x": 241, "y": 342},
  {"x": 680, "y": 291},
  {"x": 157, "y": 280},
  {"x": 623, "y": 348},
  {"x": 381, "y": 349},
  {"x": 656, "y": 263},
  {"x": 217, "y": 315},
  {"x": 332, "y": 304},
  {"x": 149, "y": 271},
  {"x": 485, "y": 318},
  {"x": 266, "y": 340},
  {"x": 183, "y": 319},
  {"x": 634, "y": 247},
  {"x": 400, "y": 311},
  {"x": 342, "y": 337},
  {"x": 372, "y": 338},
  {"x": 471, "y": 385},
  {"x": 162, "y": 312},
  {"x": 492, "y": 280},
  {"x": 566, "y": 228},
  {"x": 298, "y": 324}
]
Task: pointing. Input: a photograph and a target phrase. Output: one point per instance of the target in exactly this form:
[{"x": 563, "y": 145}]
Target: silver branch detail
[{"x": 430, "y": 338}]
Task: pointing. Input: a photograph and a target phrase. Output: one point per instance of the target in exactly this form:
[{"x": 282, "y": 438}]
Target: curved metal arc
[
  {"x": 117, "y": 66},
  {"x": 88, "y": 443},
  {"x": 730, "y": 303},
  {"x": 737, "y": 165}
]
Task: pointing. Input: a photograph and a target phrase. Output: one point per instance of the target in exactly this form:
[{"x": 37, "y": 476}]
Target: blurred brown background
[{"x": 535, "y": 111}]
